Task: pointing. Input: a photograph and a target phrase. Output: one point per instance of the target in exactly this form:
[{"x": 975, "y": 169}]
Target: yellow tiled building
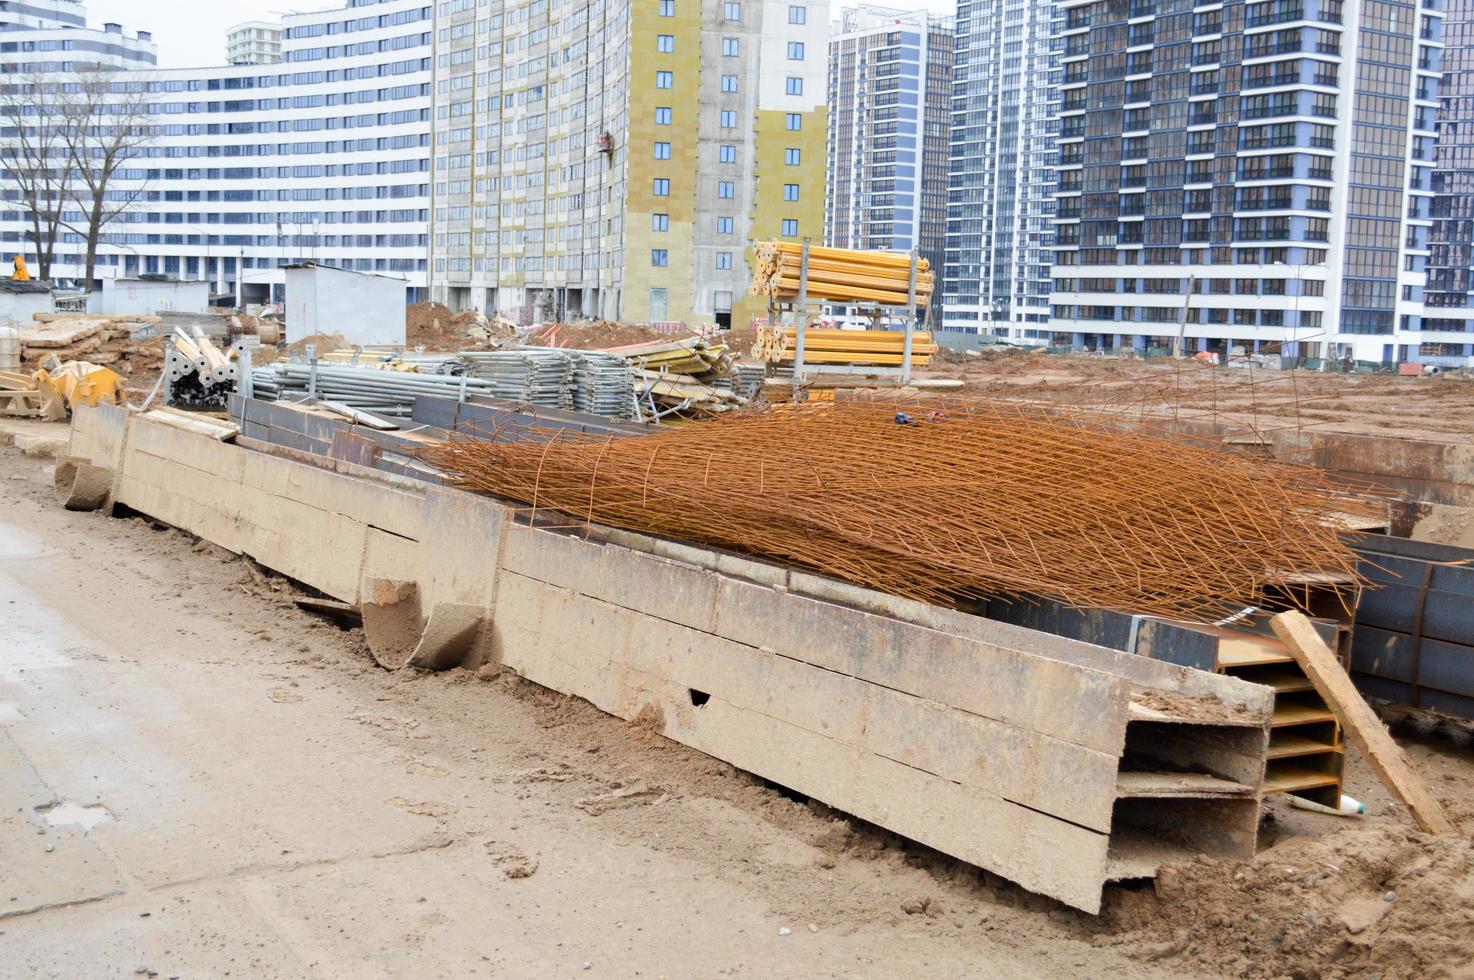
[{"x": 617, "y": 159}]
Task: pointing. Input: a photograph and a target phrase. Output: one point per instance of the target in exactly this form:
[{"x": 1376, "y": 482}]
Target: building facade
[
  {"x": 890, "y": 105},
  {"x": 51, "y": 36},
  {"x": 1246, "y": 174},
  {"x": 606, "y": 159},
  {"x": 1448, "y": 296},
  {"x": 325, "y": 157},
  {"x": 254, "y": 42},
  {"x": 999, "y": 190}
]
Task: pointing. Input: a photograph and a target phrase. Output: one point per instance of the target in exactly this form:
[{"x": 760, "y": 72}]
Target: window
[
  {"x": 661, "y": 187},
  {"x": 667, "y": 8},
  {"x": 724, "y": 260},
  {"x": 727, "y": 153},
  {"x": 732, "y": 11},
  {"x": 795, "y": 51},
  {"x": 793, "y": 121},
  {"x": 791, "y": 156},
  {"x": 726, "y": 189},
  {"x": 730, "y": 47},
  {"x": 665, "y": 42},
  {"x": 790, "y": 227},
  {"x": 660, "y": 222},
  {"x": 658, "y": 304},
  {"x": 724, "y": 226},
  {"x": 664, "y": 79},
  {"x": 790, "y": 192},
  {"x": 660, "y": 257},
  {"x": 797, "y": 14},
  {"x": 662, "y": 116},
  {"x": 662, "y": 151},
  {"x": 794, "y": 86},
  {"x": 729, "y": 119},
  {"x": 729, "y": 83}
]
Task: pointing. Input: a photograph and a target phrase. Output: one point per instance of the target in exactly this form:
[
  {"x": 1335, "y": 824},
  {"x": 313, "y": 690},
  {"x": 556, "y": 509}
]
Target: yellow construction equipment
[
  {"x": 20, "y": 274},
  {"x": 63, "y": 387}
]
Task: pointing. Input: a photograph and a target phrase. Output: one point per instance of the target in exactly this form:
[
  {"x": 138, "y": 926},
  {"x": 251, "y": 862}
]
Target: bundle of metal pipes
[
  {"x": 945, "y": 502},
  {"x": 366, "y": 389},
  {"x": 532, "y": 375},
  {"x": 843, "y": 275},
  {"x": 603, "y": 384},
  {"x": 200, "y": 374}
]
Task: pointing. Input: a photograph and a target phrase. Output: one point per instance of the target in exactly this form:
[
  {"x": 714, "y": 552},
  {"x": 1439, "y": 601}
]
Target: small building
[
  {"x": 146, "y": 296},
  {"x": 18, "y": 300},
  {"x": 366, "y": 309}
]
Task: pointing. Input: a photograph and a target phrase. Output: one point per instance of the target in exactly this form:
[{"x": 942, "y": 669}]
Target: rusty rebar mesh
[{"x": 945, "y": 501}]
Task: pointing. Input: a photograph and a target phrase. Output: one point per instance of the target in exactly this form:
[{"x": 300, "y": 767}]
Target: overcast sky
[{"x": 191, "y": 33}]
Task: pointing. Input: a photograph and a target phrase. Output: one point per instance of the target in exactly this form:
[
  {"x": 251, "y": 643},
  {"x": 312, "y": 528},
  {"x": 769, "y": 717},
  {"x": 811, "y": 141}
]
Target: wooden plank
[
  {"x": 1178, "y": 784},
  {"x": 1289, "y": 779},
  {"x": 1288, "y": 745},
  {"x": 1359, "y": 722},
  {"x": 1287, "y": 713}
]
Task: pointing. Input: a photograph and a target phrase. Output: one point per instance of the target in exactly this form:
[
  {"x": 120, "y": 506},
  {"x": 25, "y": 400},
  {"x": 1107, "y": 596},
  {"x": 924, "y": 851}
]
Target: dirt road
[
  {"x": 198, "y": 779},
  {"x": 267, "y": 803}
]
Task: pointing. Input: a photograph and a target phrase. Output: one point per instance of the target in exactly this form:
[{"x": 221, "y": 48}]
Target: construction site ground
[
  {"x": 1438, "y": 408},
  {"x": 265, "y": 801}
]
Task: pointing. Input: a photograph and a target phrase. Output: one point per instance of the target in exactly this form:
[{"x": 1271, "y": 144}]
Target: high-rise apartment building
[
  {"x": 40, "y": 37},
  {"x": 247, "y": 168},
  {"x": 610, "y": 159},
  {"x": 1261, "y": 172},
  {"x": 890, "y": 106},
  {"x": 254, "y": 42},
  {"x": 1004, "y": 97},
  {"x": 1448, "y": 317}
]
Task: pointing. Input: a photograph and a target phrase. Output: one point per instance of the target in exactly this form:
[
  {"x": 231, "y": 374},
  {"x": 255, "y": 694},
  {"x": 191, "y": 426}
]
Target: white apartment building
[
  {"x": 615, "y": 159},
  {"x": 324, "y": 157},
  {"x": 254, "y": 42}
]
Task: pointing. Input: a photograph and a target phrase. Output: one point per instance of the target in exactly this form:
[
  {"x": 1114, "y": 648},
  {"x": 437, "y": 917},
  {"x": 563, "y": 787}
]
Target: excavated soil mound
[
  {"x": 1379, "y": 901},
  {"x": 435, "y": 327},
  {"x": 599, "y": 335}
]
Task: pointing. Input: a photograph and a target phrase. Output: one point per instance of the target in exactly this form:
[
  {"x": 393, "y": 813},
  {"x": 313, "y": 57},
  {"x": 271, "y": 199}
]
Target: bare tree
[
  {"x": 34, "y": 151},
  {"x": 108, "y": 124}
]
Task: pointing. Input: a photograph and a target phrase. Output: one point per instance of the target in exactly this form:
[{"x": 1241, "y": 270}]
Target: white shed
[
  {"x": 367, "y": 310},
  {"x": 125, "y": 297},
  {"x": 18, "y": 300}
]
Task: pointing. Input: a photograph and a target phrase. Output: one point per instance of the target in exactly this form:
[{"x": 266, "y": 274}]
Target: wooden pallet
[{"x": 1306, "y": 753}]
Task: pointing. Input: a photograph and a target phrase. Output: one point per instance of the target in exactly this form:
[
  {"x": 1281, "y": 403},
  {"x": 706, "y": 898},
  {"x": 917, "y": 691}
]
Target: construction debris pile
[
  {"x": 646, "y": 382},
  {"x": 779, "y": 345},
  {"x": 948, "y": 502},
  {"x": 842, "y": 275},
  {"x": 690, "y": 377},
  {"x": 201, "y": 375}
]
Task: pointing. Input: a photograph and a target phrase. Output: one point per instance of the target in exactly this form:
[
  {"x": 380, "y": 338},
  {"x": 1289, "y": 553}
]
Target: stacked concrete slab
[{"x": 1054, "y": 763}]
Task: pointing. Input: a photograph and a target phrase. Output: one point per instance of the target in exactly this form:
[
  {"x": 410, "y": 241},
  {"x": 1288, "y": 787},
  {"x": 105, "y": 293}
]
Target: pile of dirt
[
  {"x": 324, "y": 342},
  {"x": 600, "y": 334},
  {"x": 1383, "y": 900},
  {"x": 435, "y": 327}
]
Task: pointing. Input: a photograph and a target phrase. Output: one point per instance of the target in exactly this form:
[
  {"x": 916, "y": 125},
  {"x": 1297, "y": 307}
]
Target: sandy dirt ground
[
  {"x": 1438, "y": 408},
  {"x": 198, "y": 779}
]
